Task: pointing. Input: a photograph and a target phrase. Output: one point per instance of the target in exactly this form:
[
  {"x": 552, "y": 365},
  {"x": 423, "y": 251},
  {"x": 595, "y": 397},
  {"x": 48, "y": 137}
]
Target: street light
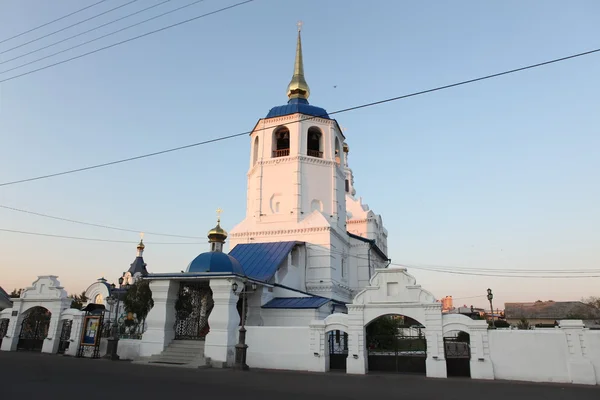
[
  {"x": 241, "y": 348},
  {"x": 113, "y": 341},
  {"x": 490, "y": 297}
]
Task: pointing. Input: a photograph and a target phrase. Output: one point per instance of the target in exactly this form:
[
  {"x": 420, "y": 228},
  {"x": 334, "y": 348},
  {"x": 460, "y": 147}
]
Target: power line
[
  {"x": 51, "y": 22},
  {"x": 474, "y": 273},
  {"x": 70, "y": 26},
  {"x": 304, "y": 119},
  {"x": 86, "y": 238},
  {"x": 97, "y": 225},
  {"x": 88, "y": 31},
  {"x": 123, "y": 41}
]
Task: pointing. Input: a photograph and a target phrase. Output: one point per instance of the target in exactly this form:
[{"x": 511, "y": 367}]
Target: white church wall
[
  {"x": 593, "y": 350},
  {"x": 287, "y": 348},
  {"x": 529, "y": 355},
  {"x": 286, "y": 317}
]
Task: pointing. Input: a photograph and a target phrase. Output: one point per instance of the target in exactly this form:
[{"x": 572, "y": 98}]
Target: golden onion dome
[
  {"x": 141, "y": 245},
  {"x": 298, "y": 88},
  {"x": 217, "y": 234}
]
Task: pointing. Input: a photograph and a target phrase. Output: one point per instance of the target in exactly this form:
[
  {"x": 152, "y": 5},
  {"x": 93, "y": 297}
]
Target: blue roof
[
  {"x": 138, "y": 265},
  {"x": 215, "y": 261},
  {"x": 297, "y": 106},
  {"x": 296, "y": 302},
  {"x": 261, "y": 260}
]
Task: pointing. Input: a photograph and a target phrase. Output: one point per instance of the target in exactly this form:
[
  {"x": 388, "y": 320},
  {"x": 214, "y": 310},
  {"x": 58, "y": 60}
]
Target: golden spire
[
  {"x": 298, "y": 88},
  {"x": 141, "y": 246},
  {"x": 217, "y": 234}
]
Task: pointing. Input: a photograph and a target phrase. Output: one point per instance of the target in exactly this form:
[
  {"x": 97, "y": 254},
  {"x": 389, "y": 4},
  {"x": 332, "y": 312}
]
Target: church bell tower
[{"x": 296, "y": 162}]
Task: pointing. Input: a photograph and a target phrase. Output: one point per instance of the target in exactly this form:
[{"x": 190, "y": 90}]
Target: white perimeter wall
[
  {"x": 592, "y": 339},
  {"x": 529, "y": 355},
  {"x": 281, "y": 348}
]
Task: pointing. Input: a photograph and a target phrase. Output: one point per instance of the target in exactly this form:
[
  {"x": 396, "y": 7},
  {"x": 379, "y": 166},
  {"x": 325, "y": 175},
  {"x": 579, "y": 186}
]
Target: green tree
[
  {"x": 78, "y": 300},
  {"x": 523, "y": 324},
  {"x": 16, "y": 293},
  {"x": 592, "y": 301},
  {"x": 138, "y": 300}
]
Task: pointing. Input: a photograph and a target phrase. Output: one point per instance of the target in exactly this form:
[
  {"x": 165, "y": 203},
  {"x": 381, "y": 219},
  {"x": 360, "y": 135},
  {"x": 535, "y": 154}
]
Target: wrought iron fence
[{"x": 126, "y": 328}]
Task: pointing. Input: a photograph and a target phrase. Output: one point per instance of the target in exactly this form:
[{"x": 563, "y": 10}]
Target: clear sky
[{"x": 500, "y": 174}]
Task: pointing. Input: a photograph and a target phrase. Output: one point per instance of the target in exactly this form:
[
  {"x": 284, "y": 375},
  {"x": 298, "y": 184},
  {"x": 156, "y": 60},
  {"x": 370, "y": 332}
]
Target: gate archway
[
  {"x": 396, "y": 343},
  {"x": 337, "y": 342},
  {"x": 457, "y": 351},
  {"x": 193, "y": 308},
  {"x": 34, "y": 329},
  {"x": 3, "y": 328}
]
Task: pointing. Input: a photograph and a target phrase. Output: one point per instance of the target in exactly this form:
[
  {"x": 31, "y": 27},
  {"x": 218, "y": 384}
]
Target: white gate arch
[
  {"x": 392, "y": 291},
  {"x": 45, "y": 292},
  {"x": 481, "y": 364}
]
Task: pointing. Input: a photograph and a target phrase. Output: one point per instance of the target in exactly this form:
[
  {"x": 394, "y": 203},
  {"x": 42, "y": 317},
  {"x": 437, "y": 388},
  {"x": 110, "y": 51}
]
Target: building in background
[
  {"x": 5, "y": 301},
  {"x": 549, "y": 313}
]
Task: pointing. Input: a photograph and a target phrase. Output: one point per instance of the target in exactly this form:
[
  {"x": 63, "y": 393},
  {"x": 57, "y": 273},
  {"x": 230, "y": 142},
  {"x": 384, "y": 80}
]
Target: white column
[
  {"x": 160, "y": 321},
  {"x": 318, "y": 347},
  {"x": 52, "y": 341},
  {"x": 75, "y": 338},
  {"x": 581, "y": 369},
  {"x": 435, "y": 363},
  {"x": 357, "y": 362},
  {"x": 10, "y": 341},
  {"x": 224, "y": 323},
  {"x": 481, "y": 363}
]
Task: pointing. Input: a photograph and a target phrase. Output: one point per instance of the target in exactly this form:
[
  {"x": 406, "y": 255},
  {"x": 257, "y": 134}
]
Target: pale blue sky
[{"x": 497, "y": 174}]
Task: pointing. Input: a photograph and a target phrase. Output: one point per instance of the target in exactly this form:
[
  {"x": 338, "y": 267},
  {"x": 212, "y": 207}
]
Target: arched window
[
  {"x": 347, "y": 186},
  {"x": 255, "y": 150},
  {"x": 98, "y": 299},
  {"x": 337, "y": 151},
  {"x": 281, "y": 141},
  {"x": 314, "y": 148}
]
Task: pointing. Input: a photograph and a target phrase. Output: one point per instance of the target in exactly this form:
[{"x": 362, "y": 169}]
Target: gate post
[
  {"x": 52, "y": 341},
  {"x": 436, "y": 360},
  {"x": 11, "y": 340},
  {"x": 75, "y": 338},
  {"x": 224, "y": 322},
  {"x": 161, "y": 319},
  {"x": 357, "y": 359}
]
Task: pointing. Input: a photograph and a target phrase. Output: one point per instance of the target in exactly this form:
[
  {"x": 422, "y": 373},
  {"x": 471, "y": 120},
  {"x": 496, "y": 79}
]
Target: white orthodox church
[{"x": 306, "y": 277}]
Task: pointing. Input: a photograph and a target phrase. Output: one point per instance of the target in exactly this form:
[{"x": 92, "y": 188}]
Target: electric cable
[
  {"x": 122, "y": 42},
  {"x": 98, "y": 225},
  {"x": 67, "y": 27},
  {"x": 84, "y": 32},
  {"x": 51, "y": 22},
  {"x": 365, "y": 105}
]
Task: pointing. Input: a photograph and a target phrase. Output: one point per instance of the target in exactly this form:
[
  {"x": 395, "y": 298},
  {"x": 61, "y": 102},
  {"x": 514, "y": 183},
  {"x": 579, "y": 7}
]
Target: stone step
[
  {"x": 174, "y": 360},
  {"x": 184, "y": 350},
  {"x": 187, "y": 343}
]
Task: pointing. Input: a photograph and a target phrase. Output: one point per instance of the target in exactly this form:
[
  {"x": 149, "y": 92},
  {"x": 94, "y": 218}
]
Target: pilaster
[
  {"x": 224, "y": 323},
  {"x": 357, "y": 362},
  {"x": 581, "y": 369},
  {"x": 160, "y": 321}
]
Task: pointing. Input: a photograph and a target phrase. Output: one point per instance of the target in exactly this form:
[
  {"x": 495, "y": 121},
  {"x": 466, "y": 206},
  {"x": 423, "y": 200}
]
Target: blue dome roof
[
  {"x": 297, "y": 106},
  {"x": 215, "y": 261}
]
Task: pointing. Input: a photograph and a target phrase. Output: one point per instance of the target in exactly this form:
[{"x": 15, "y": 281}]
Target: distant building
[
  {"x": 447, "y": 303},
  {"x": 5, "y": 301},
  {"x": 548, "y": 313}
]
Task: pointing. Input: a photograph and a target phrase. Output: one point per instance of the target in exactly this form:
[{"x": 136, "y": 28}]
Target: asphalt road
[{"x": 40, "y": 376}]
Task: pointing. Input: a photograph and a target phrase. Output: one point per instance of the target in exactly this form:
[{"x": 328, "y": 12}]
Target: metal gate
[
  {"x": 458, "y": 357},
  {"x": 193, "y": 308},
  {"x": 338, "y": 350},
  {"x": 34, "y": 329},
  {"x": 65, "y": 336},
  {"x": 397, "y": 353},
  {"x": 3, "y": 328}
]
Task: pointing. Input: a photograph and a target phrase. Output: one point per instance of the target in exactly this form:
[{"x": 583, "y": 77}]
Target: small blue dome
[
  {"x": 215, "y": 261},
  {"x": 297, "y": 106}
]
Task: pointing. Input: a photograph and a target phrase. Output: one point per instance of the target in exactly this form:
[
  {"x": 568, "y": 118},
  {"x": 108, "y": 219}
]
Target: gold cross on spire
[
  {"x": 219, "y": 212},
  {"x": 299, "y": 25},
  {"x": 141, "y": 235}
]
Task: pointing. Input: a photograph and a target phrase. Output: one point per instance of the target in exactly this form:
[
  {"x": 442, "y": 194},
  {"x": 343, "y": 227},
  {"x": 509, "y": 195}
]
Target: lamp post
[
  {"x": 113, "y": 341},
  {"x": 241, "y": 348},
  {"x": 490, "y": 297}
]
